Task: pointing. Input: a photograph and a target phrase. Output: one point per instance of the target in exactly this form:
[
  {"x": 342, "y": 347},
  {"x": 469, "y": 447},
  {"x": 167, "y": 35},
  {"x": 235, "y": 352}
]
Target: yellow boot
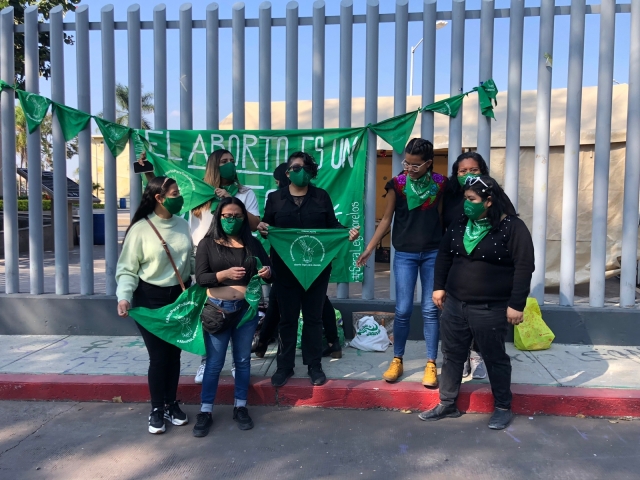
[
  {"x": 430, "y": 378},
  {"x": 394, "y": 371}
]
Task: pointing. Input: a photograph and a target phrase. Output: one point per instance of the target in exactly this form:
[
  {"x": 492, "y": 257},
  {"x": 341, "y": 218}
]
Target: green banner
[{"x": 340, "y": 154}]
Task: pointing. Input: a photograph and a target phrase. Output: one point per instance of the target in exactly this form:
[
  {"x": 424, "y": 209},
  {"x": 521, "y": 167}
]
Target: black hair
[
  {"x": 500, "y": 203},
  {"x": 422, "y": 148},
  {"x": 454, "y": 185},
  {"x": 156, "y": 186},
  {"x": 309, "y": 164},
  {"x": 280, "y": 174}
]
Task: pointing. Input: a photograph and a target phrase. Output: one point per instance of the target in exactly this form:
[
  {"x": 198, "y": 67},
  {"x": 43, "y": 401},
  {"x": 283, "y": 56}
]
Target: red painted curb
[{"x": 527, "y": 399}]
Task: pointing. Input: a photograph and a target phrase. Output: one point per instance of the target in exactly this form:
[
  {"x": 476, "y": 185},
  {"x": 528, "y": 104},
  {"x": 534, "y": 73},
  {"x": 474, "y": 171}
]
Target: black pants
[
  {"x": 164, "y": 358},
  {"x": 291, "y": 299},
  {"x": 488, "y": 326}
]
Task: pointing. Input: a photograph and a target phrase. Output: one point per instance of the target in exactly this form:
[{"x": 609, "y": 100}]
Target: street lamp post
[{"x": 439, "y": 24}]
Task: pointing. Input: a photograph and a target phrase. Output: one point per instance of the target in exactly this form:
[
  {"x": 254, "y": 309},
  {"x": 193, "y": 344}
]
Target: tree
[
  {"x": 46, "y": 140},
  {"x": 97, "y": 188},
  {"x": 44, "y": 8},
  {"x": 122, "y": 106}
]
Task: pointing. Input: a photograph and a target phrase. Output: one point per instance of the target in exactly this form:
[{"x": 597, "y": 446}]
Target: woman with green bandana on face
[
  {"x": 482, "y": 279},
  {"x": 227, "y": 258},
  {"x": 146, "y": 278}
]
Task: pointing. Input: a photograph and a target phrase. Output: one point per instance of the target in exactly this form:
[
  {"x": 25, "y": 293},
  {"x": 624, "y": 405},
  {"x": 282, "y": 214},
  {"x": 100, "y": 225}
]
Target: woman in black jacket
[{"x": 482, "y": 279}]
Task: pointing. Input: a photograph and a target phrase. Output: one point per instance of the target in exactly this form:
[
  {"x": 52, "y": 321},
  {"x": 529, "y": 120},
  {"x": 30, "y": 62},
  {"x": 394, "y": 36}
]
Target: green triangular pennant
[
  {"x": 35, "y": 108},
  {"x": 179, "y": 323},
  {"x": 448, "y": 106},
  {"x": 308, "y": 252},
  {"x": 253, "y": 295},
  {"x": 396, "y": 130},
  {"x": 115, "y": 136},
  {"x": 71, "y": 121}
]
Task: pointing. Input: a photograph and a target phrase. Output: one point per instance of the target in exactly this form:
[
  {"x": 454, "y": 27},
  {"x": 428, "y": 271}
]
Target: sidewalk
[{"x": 564, "y": 380}]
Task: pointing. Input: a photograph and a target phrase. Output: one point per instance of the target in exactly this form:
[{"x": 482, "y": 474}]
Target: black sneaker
[
  {"x": 241, "y": 416},
  {"x": 334, "y": 351},
  {"x": 173, "y": 414},
  {"x": 281, "y": 377},
  {"x": 439, "y": 412},
  {"x": 500, "y": 419},
  {"x": 317, "y": 375},
  {"x": 156, "y": 421},
  {"x": 203, "y": 424}
]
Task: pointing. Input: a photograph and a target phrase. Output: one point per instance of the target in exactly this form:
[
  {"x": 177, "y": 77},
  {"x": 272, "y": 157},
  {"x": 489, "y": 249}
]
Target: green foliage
[
  {"x": 122, "y": 104},
  {"x": 23, "y": 205}
]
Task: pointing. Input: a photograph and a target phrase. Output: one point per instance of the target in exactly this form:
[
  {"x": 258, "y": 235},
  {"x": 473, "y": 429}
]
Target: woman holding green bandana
[{"x": 482, "y": 279}]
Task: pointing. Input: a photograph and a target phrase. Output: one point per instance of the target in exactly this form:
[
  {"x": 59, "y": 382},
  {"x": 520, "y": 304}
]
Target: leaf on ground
[
  {"x": 117, "y": 399},
  {"x": 613, "y": 421},
  {"x": 580, "y": 416},
  {"x": 405, "y": 411}
]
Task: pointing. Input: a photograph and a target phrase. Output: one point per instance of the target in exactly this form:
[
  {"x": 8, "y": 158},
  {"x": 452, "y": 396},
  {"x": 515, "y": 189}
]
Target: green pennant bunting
[
  {"x": 115, "y": 136},
  {"x": 4, "y": 85},
  {"x": 71, "y": 121},
  {"x": 449, "y": 106},
  {"x": 397, "y": 130},
  {"x": 308, "y": 252},
  {"x": 35, "y": 108},
  {"x": 179, "y": 323}
]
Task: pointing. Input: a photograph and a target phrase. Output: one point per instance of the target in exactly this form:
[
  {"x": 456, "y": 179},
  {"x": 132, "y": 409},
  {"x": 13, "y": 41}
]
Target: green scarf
[
  {"x": 253, "y": 295},
  {"x": 420, "y": 190},
  {"x": 474, "y": 233},
  {"x": 233, "y": 191}
]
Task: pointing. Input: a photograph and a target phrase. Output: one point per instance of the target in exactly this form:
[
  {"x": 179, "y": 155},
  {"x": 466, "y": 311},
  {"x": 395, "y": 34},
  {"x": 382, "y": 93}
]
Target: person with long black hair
[
  {"x": 226, "y": 260},
  {"x": 482, "y": 279},
  {"x": 147, "y": 279}
]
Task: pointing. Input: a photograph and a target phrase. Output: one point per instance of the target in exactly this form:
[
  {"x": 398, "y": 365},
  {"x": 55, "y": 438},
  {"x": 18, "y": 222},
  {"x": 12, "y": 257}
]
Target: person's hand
[
  {"x": 123, "y": 308},
  {"x": 438, "y": 297},
  {"x": 362, "y": 259},
  {"x": 514, "y": 317},
  {"x": 142, "y": 158},
  {"x": 265, "y": 272},
  {"x": 222, "y": 193},
  {"x": 263, "y": 228},
  {"x": 235, "y": 273},
  {"x": 354, "y": 233}
]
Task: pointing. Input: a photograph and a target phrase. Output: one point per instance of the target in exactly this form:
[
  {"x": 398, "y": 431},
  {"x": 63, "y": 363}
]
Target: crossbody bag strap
[{"x": 166, "y": 249}]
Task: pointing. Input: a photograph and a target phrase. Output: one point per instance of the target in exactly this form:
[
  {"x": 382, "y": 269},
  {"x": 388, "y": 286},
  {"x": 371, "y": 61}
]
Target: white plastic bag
[{"x": 370, "y": 337}]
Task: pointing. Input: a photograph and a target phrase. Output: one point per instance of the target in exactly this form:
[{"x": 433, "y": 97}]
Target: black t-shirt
[
  {"x": 452, "y": 206},
  {"x": 420, "y": 229}
]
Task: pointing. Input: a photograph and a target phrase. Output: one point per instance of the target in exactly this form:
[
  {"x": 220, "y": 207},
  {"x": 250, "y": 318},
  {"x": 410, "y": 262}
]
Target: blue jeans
[
  {"x": 217, "y": 345},
  {"x": 405, "y": 271}
]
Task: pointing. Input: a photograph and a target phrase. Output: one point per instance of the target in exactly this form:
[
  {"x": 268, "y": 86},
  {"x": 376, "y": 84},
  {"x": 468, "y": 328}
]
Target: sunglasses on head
[{"x": 473, "y": 180}]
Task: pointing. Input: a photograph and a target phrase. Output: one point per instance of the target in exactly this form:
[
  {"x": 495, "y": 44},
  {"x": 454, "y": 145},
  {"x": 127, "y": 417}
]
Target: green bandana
[
  {"x": 308, "y": 252},
  {"x": 179, "y": 323},
  {"x": 233, "y": 191},
  {"x": 420, "y": 190},
  {"x": 301, "y": 178},
  {"x": 474, "y": 233},
  {"x": 173, "y": 204},
  {"x": 472, "y": 210},
  {"x": 253, "y": 295},
  {"x": 231, "y": 226},
  {"x": 463, "y": 179},
  {"x": 228, "y": 171}
]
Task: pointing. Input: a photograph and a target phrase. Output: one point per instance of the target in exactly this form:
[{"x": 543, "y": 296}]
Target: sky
[{"x": 386, "y": 52}]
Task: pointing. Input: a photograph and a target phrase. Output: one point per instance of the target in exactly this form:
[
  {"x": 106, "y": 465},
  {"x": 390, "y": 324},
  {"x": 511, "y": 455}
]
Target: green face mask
[
  {"x": 231, "y": 226},
  {"x": 300, "y": 178},
  {"x": 173, "y": 204},
  {"x": 463, "y": 179},
  {"x": 228, "y": 171},
  {"x": 473, "y": 211}
]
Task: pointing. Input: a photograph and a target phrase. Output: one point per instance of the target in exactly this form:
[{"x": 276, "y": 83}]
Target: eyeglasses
[
  {"x": 462, "y": 173},
  {"x": 295, "y": 168},
  {"x": 411, "y": 167},
  {"x": 473, "y": 180},
  {"x": 229, "y": 216}
]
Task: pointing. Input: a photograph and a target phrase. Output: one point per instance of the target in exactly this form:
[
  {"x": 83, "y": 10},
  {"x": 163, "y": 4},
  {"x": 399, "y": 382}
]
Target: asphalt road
[{"x": 40, "y": 440}]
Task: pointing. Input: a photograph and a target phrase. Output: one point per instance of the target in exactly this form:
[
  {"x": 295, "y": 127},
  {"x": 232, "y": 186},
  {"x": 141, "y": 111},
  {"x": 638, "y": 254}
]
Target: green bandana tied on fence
[
  {"x": 487, "y": 94},
  {"x": 474, "y": 233},
  {"x": 179, "y": 323},
  {"x": 420, "y": 190},
  {"x": 253, "y": 295},
  {"x": 308, "y": 252}
]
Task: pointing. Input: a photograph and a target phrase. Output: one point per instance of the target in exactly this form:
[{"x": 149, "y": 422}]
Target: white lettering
[
  {"x": 152, "y": 144},
  {"x": 198, "y": 148},
  {"x": 245, "y": 149},
  {"x": 230, "y": 143},
  {"x": 286, "y": 149},
  {"x": 266, "y": 150},
  {"x": 217, "y": 140},
  {"x": 169, "y": 156},
  {"x": 304, "y": 139},
  {"x": 320, "y": 148},
  {"x": 333, "y": 156}
]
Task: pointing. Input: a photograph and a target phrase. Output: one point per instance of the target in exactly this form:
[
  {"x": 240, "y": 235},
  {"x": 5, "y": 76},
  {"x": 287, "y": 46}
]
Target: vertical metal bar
[
  {"x": 428, "y": 66},
  {"x": 110, "y": 173},
  {"x": 514, "y": 100},
  {"x": 457, "y": 74},
  {"x": 541, "y": 165},
  {"x": 135, "y": 100},
  {"x": 213, "y": 88},
  {"x": 317, "y": 76},
  {"x": 34, "y": 171},
  {"x": 264, "y": 22},
  {"x": 186, "y": 67},
  {"x": 237, "y": 64},
  {"x": 160, "y": 67},
  {"x": 602, "y": 153},
  {"x": 60, "y": 207},
  {"x": 291, "y": 67},
  {"x": 631, "y": 169},
  {"x": 371, "y": 116},
  {"x": 10, "y": 194},
  {"x": 572, "y": 153},
  {"x": 486, "y": 72},
  {"x": 84, "y": 151},
  {"x": 346, "y": 85}
]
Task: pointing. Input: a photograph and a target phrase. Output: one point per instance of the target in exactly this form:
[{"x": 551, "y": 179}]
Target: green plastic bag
[
  {"x": 339, "y": 324},
  {"x": 532, "y": 333}
]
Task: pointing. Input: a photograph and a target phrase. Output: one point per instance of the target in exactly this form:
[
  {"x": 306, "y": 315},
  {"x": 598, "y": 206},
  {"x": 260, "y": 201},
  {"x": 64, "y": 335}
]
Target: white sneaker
[
  {"x": 478, "y": 369},
  {"x": 200, "y": 374}
]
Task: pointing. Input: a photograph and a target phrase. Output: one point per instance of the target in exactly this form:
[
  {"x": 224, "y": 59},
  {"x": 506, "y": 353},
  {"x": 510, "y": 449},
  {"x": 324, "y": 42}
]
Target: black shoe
[
  {"x": 334, "y": 351},
  {"x": 173, "y": 414},
  {"x": 156, "y": 421},
  {"x": 317, "y": 375},
  {"x": 203, "y": 424},
  {"x": 439, "y": 412},
  {"x": 281, "y": 377},
  {"x": 500, "y": 419},
  {"x": 241, "y": 416}
]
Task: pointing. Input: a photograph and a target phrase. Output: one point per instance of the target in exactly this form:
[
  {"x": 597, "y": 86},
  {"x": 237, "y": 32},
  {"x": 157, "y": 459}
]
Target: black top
[
  {"x": 497, "y": 271},
  {"x": 452, "y": 206},
  {"x": 420, "y": 229},
  {"x": 209, "y": 262}
]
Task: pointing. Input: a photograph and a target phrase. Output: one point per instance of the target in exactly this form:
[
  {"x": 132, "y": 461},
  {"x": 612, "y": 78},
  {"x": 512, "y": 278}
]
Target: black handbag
[{"x": 216, "y": 320}]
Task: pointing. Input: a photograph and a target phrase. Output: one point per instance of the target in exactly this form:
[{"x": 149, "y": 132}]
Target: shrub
[{"x": 23, "y": 205}]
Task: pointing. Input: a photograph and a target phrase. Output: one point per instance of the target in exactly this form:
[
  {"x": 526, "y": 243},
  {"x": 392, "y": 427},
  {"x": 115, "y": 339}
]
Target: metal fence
[{"x": 292, "y": 23}]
